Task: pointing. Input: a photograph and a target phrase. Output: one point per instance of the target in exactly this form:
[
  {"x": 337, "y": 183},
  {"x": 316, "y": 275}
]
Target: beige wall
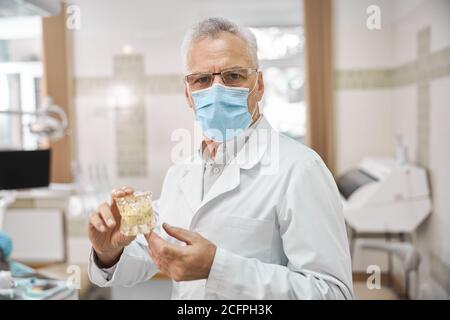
[
  {"x": 57, "y": 84},
  {"x": 372, "y": 112},
  {"x": 433, "y": 237}
]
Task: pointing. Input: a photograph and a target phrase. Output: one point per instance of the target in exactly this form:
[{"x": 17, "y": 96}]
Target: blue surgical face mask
[{"x": 222, "y": 112}]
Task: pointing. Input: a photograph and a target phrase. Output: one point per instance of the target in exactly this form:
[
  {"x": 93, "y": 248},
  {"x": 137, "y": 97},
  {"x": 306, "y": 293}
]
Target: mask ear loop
[
  {"x": 254, "y": 86},
  {"x": 257, "y": 104},
  {"x": 191, "y": 100}
]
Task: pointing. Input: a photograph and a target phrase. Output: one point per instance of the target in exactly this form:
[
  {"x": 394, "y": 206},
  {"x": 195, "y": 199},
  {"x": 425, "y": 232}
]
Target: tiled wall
[
  {"x": 126, "y": 91},
  {"x": 437, "y": 65},
  {"x": 427, "y": 67}
]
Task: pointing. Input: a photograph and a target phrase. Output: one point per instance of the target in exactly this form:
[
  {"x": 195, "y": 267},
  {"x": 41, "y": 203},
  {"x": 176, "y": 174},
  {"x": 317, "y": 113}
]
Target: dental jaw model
[{"x": 136, "y": 213}]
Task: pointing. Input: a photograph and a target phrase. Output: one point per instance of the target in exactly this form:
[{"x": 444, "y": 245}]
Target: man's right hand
[{"x": 104, "y": 230}]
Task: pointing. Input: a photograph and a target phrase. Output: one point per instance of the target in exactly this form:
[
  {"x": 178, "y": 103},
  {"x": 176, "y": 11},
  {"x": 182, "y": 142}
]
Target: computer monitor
[{"x": 24, "y": 169}]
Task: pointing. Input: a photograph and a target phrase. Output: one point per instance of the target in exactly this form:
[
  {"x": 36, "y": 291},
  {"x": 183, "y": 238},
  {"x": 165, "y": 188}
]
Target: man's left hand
[{"x": 182, "y": 263}]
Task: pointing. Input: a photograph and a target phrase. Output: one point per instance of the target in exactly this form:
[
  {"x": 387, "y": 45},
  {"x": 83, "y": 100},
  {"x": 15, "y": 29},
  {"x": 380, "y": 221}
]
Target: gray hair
[{"x": 211, "y": 28}]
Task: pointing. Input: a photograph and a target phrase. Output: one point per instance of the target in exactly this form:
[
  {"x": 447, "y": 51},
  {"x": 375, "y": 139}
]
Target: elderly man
[{"x": 253, "y": 215}]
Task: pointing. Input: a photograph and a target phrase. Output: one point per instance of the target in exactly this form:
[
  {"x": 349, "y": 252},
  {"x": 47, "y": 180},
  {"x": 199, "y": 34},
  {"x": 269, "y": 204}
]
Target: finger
[
  {"x": 153, "y": 238},
  {"x": 113, "y": 191},
  {"x": 153, "y": 256},
  {"x": 162, "y": 263},
  {"x": 96, "y": 222},
  {"x": 128, "y": 190},
  {"x": 107, "y": 215},
  {"x": 162, "y": 267},
  {"x": 179, "y": 233},
  {"x": 122, "y": 239},
  {"x": 116, "y": 193},
  {"x": 161, "y": 247}
]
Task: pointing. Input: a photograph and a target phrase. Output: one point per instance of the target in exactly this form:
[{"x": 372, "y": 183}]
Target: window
[
  {"x": 21, "y": 84},
  {"x": 20, "y": 77},
  {"x": 280, "y": 51}
]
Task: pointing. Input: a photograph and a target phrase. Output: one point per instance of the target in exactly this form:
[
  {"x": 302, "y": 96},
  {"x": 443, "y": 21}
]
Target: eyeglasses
[{"x": 230, "y": 78}]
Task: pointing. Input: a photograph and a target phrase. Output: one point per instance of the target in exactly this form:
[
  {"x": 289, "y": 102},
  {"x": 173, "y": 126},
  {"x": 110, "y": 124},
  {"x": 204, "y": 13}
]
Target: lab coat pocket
[{"x": 249, "y": 237}]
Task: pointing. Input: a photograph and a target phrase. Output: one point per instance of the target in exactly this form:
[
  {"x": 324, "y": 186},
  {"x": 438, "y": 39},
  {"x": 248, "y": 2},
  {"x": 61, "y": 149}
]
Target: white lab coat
[{"x": 275, "y": 216}]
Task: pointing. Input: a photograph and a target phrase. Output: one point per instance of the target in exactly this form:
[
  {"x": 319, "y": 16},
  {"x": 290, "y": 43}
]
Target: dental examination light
[{"x": 46, "y": 125}]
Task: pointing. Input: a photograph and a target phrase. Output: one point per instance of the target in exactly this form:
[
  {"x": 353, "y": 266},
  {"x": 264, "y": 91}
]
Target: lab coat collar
[
  {"x": 191, "y": 183},
  {"x": 253, "y": 150}
]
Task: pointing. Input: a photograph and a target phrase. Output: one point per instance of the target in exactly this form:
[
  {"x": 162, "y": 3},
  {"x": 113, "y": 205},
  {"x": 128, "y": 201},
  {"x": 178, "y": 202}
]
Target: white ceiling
[
  {"x": 26, "y": 27},
  {"x": 255, "y": 12},
  {"x": 157, "y": 17}
]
